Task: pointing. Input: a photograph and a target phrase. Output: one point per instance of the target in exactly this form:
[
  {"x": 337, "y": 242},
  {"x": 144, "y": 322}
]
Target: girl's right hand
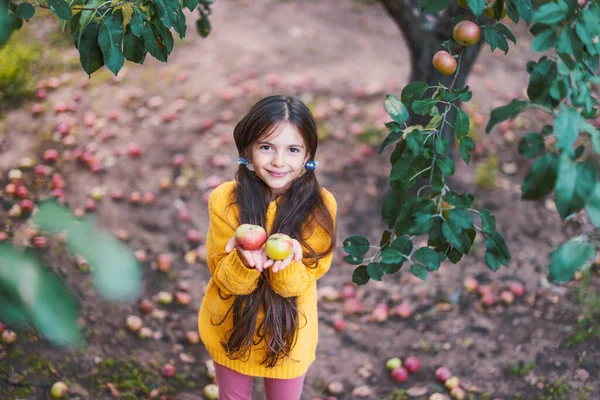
[{"x": 251, "y": 258}]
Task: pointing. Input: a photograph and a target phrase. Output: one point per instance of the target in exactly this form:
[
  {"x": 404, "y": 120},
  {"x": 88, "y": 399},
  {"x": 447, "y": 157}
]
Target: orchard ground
[{"x": 341, "y": 57}]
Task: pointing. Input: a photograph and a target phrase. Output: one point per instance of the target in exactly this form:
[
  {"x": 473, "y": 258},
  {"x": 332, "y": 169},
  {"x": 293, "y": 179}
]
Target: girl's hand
[
  {"x": 251, "y": 258},
  {"x": 296, "y": 255}
]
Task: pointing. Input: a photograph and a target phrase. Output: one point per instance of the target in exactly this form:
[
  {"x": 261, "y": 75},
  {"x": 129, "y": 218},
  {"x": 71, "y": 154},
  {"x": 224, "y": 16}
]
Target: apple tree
[{"x": 561, "y": 83}]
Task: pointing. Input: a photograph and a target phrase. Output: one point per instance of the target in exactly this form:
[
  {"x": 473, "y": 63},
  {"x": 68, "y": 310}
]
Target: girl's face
[{"x": 279, "y": 158}]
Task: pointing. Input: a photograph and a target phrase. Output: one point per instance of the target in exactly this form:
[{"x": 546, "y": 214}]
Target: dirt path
[{"x": 341, "y": 57}]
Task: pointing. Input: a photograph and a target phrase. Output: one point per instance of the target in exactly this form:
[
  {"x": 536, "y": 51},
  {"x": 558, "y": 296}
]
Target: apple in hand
[
  {"x": 279, "y": 246},
  {"x": 250, "y": 237}
]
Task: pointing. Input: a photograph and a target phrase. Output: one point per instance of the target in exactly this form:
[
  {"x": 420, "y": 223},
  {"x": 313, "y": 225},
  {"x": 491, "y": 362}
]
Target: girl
[{"x": 259, "y": 317}]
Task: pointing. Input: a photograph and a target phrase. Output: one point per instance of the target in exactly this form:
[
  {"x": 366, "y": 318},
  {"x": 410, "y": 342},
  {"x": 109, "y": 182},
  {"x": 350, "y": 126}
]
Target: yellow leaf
[{"x": 127, "y": 13}]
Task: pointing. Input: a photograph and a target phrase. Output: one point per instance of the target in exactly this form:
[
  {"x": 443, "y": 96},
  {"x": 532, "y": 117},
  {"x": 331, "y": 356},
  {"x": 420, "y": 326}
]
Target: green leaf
[
  {"x": 86, "y": 16},
  {"x": 506, "y": 32},
  {"x": 497, "y": 252},
  {"x": 391, "y": 207},
  {"x": 569, "y": 44},
  {"x": 523, "y": 7},
  {"x": 459, "y": 200},
  {"x": 414, "y": 141},
  {"x": 137, "y": 23},
  {"x": 25, "y": 10},
  {"x": 356, "y": 245},
  {"x": 133, "y": 47},
  {"x": 423, "y": 107},
  {"x": 190, "y": 4},
  {"x": 575, "y": 183},
  {"x": 592, "y": 206},
  {"x": 476, "y": 6},
  {"x": 8, "y": 23},
  {"x": 90, "y": 54},
  {"x": 541, "y": 80},
  {"x": 441, "y": 145},
  {"x": 392, "y": 256},
  {"x": 110, "y": 40},
  {"x": 391, "y": 138},
  {"x": 544, "y": 40},
  {"x": 532, "y": 145},
  {"x": 360, "y": 275},
  {"x": 429, "y": 258},
  {"x": 461, "y": 124},
  {"x": 375, "y": 270},
  {"x": 503, "y": 113},
  {"x": 154, "y": 44},
  {"x": 461, "y": 218},
  {"x": 413, "y": 91},
  {"x": 353, "y": 260},
  {"x": 433, "y": 6},
  {"x": 446, "y": 165},
  {"x": 541, "y": 178},
  {"x": 488, "y": 221},
  {"x": 395, "y": 109},
  {"x": 418, "y": 271},
  {"x": 567, "y": 125},
  {"x": 203, "y": 25},
  {"x": 568, "y": 258},
  {"x": 61, "y": 9},
  {"x": 435, "y": 122},
  {"x": 167, "y": 11},
  {"x": 467, "y": 145},
  {"x": 550, "y": 13},
  {"x": 180, "y": 25}
]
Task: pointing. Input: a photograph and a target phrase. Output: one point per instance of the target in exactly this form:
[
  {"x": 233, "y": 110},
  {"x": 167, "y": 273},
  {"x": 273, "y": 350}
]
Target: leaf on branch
[
  {"x": 61, "y": 9},
  {"x": 567, "y": 126},
  {"x": 541, "y": 178},
  {"x": 592, "y": 206},
  {"x": 488, "y": 221},
  {"x": 503, "y": 113},
  {"x": 568, "y": 258},
  {"x": 576, "y": 181},
  {"x": 462, "y": 124},
  {"x": 434, "y": 6},
  {"x": 110, "y": 39},
  {"x": 90, "y": 54},
  {"x": 25, "y": 10},
  {"x": 356, "y": 245},
  {"x": 203, "y": 25},
  {"x": 394, "y": 136},
  {"x": 467, "y": 145},
  {"x": 360, "y": 275},
  {"x": 395, "y": 109},
  {"x": 429, "y": 258},
  {"x": 376, "y": 270},
  {"x": 418, "y": 271},
  {"x": 551, "y": 13},
  {"x": 497, "y": 252},
  {"x": 532, "y": 145},
  {"x": 413, "y": 91}
]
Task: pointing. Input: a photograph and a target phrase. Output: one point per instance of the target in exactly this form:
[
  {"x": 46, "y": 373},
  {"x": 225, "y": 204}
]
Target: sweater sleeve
[
  {"x": 298, "y": 276},
  {"x": 227, "y": 269}
]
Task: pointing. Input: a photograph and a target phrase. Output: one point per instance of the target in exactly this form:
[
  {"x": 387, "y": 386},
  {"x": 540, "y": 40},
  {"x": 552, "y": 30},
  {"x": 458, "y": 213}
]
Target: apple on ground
[
  {"x": 452, "y": 382},
  {"x": 335, "y": 387},
  {"x": 458, "y": 393},
  {"x": 471, "y": 284},
  {"x": 134, "y": 323},
  {"x": 59, "y": 390},
  {"x": 250, "y": 237},
  {"x": 168, "y": 371},
  {"x": 145, "y": 332},
  {"x": 393, "y": 363},
  {"x": 400, "y": 374},
  {"x": 210, "y": 369},
  {"x": 8, "y": 336},
  {"x": 211, "y": 391},
  {"x": 403, "y": 310},
  {"x": 412, "y": 364},
  {"x": 192, "y": 337},
  {"x": 517, "y": 289},
  {"x": 279, "y": 246},
  {"x": 442, "y": 374}
]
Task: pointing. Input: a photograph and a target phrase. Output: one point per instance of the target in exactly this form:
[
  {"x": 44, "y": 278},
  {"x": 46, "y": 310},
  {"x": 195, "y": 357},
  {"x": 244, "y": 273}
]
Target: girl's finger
[
  {"x": 276, "y": 266},
  {"x": 297, "y": 251},
  {"x": 230, "y": 244},
  {"x": 286, "y": 262},
  {"x": 268, "y": 263},
  {"x": 258, "y": 262},
  {"x": 248, "y": 257}
]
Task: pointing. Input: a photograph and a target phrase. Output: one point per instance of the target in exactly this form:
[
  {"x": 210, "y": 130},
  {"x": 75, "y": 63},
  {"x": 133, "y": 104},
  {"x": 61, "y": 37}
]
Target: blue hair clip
[
  {"x": 311, "y": 165},
  {"x": 242, "y": 161}
]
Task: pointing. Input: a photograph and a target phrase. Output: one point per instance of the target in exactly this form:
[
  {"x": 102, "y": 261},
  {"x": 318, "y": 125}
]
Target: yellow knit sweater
[{"x": 231, "y": 276}]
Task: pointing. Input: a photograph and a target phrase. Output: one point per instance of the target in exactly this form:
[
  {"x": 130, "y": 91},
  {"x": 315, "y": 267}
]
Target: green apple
[
  {"x": 250, "y": 237},
  {"x": 59, "y": 390},
  {"x": 393, "y": 363},
  {"x": 279, "y": 246}
]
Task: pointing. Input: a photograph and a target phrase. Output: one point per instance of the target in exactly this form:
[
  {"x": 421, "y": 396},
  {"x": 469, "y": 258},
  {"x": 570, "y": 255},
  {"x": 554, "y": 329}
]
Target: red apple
[
  {"x": 51, "y": 155},
  {"x": 149, "y": 198},
  {"x": 403, "y": 310},
  {"x": 517, "y": 289},
  {"x": 339, "y": 324},
  {"x": 63, "y": 128},
  {"x": 207, "y": 123},
  {"x": 116, "y": 195},
  {"x": 2, "y": 327},
  {"x": 193, "y": 236},
  {"x": 184, "y": 215},
  {"x": 183, "y": 298},
  {"x": 59, "y": 390},
  {"x": 134, "y": 151},
  {"x": 135, "y": 197},
  {"x": 192, "y": 337},
  {"x": 41, "y": 94},
  {"x": 146, "y": 306},
  {"x": 164, "y": 262},
  {"x": 21, "y": 191},
  {"x": 90, "y": 205},
  {"x": 3, "y": 237},
  {"x": 168, "y": 371},
  {"x": 40, "y": 170},
  {"x": 178, "y": 160},
  {"x": 379, "y": 313},
  {"x": 250, "y": 237},
  {"x": 37, "y": 109},
  {"x": 279, "y": 246},
  {"x": 400, "y": 374},
  {"x": 442, "y": 374},
  {"x": 352, "y": 306},
  {"x": 40, "y": 242},
  {"x": 412, "y": 364},
  {"x": 507, "y": 297}
]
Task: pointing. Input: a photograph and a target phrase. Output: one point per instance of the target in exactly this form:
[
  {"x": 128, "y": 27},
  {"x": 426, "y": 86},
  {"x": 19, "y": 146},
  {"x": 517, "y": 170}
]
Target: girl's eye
[
  {"x": 295, "y": 150},
  {"x": 265, "y": 147}
]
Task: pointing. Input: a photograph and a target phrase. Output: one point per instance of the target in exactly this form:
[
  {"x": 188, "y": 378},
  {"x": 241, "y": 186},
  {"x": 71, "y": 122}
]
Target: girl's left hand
[{"x": 280, "y": 265}]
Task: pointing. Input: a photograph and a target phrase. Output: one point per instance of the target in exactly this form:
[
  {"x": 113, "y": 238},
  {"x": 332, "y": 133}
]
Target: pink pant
[{"x": 236, "y": 386}]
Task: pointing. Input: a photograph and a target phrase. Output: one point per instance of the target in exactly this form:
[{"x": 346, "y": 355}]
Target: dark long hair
[{"x": 299, "y": 208}]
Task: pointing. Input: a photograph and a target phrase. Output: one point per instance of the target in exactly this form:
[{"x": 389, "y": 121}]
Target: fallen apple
[
  {"x": 400, "y": 374},
  {"x": 507, "y": 297},
  {"x": 183, "y": 298},
  {"x": 442, "y": 374},
  {"x": 164, "y": 262},
  {"x": 458, "y": 393},
  {"x": 165, "y": 298},
  {"x": 134, "y": 323},
  {"x": 403, "y": 310},
  {"x": 211, "y": 391},
  {"x": 192, "y": 337},
  {"x": 146, "y": 306},
  {"x": 8, "y": 336},
  {"x": 412, "y": 364},
  {"x": 517, "y": 289},
  {"x": 168, "y": 371},
  {"x": 393, "y": 363},
  {"x": 211, "y": 372},
  {"x": 471, "y": 284},
  {"x": 279, "y": 246},
  {"x": 59, "y": 390},
  {"x": 452, "y": 382},
  {"x": 250, "y": 237},
  {"x": 335, "y": 387},
  {"x": 145, "y": 332}
]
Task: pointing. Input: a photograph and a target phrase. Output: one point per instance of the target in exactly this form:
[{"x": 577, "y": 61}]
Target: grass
[{"x": 588, "y": 326}]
